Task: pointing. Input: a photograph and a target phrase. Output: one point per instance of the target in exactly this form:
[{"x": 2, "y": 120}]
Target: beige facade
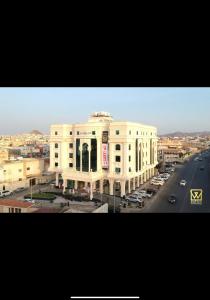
[
  {"x": 122, "y": 154},
  {"x": 17, "y": 173},
  {"x": 4, "y": 155},
  {"x": 15, "y": 206}
]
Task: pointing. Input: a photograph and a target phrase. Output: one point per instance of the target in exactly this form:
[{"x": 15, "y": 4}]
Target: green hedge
[{"x": 41, "y": 196}]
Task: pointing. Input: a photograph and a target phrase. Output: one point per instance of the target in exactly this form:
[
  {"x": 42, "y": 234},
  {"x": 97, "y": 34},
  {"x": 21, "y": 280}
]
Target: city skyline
[{"x": 169, "y": 109}]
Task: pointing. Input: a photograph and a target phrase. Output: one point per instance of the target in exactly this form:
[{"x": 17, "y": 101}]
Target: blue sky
[{"x": 170, "y": 109}]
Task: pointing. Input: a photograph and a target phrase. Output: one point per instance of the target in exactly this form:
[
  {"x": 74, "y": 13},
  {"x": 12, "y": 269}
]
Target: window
[
  {"x": 117, "y": 170},
  {"x": 117, "y": 132},
  {"x": 56, "y": 133},
  {"x": 70, "y": 165},
  {"x": 70, "y": 132},
  {"x": 56, "y": 164},
  {"x": 20, "y": 170},
  {"x": 130, "y": 169},
  {"x": 93, "y": 132},
  {"x": 117, "y": 158},
  {"x": 71, "y": 145},
  {"x": 77, "y": 132},
  {"x": 28, "y": 169},
  {"x": 70, "y": 155},
  {"x": 56, "y": 155},
  {"x": 129, "y": 147},
  {"x": 130, "y": 132},
  {"x": 20, "y": 179},
  {"x": 137, "y": 132},
  {"x": 129, "y": 158},
  {"x": 117, "y": 147},
  {"x": 11, "y": 209},
  {"x": 56, "y": 145},
  {"x": 5, "y": 171}
]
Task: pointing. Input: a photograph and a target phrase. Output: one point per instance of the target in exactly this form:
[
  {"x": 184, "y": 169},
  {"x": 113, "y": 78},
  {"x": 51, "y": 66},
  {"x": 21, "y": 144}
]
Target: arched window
[{"x": 117, "y": 147}]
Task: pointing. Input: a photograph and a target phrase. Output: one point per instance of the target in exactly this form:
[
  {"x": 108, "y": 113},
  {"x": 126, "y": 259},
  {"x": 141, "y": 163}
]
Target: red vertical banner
[{"x": 105, "y": 161}]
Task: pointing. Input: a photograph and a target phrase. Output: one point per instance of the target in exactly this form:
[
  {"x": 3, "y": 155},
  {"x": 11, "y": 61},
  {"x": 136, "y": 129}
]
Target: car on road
[
  {"x": 5, "y": 193},
  {"x": 172, "y": 199},
  {"x": 21, "y": 189},
  {"x": 183, "y": 182}
]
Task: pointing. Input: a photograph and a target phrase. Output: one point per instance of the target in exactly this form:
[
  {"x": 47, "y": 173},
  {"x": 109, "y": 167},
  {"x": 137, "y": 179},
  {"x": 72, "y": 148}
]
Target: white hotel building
[{"x": 103, "y": 154}]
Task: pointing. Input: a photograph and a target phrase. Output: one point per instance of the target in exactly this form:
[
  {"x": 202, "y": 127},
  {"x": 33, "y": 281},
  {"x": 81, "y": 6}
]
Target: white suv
[{"x": 5, "y": 193}]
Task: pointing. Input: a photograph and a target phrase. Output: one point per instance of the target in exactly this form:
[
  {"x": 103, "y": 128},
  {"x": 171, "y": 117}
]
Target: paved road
[{"x": 196, "y": 179}]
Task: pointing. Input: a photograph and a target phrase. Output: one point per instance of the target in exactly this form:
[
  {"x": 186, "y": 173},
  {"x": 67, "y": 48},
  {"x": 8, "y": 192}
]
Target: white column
[
  {"x": 75, "y": 184},
  {"x": 138, "y": 181},
  {"x": 94, "y": 185},
  {"x": 99, "y": 154},
  {"x": 101, "y": 186},
  {"x": 111, "y": 187},
  {"x": 89, "y": 157},
  {"x": 129, "y": 186},
  {"x": 134, "y": 183},
  {"x": 91, "y": 190},
  {"x": 122, "y": 184},
  {"x": 64, "y": 185},
  {"x": 56, "y": 179}
]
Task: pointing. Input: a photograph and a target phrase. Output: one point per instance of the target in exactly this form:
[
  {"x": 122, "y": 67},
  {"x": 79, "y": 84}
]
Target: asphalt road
[{"x": 196, "y": 179}]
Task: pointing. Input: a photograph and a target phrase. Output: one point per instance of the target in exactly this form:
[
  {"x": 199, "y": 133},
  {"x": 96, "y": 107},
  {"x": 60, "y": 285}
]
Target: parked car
[
  {"x": 29, "y": 200},
  {"x": 136, "y": 196},
  {"x": 172, "y": 199},
  {"x": 140, "y": 193},
  {"x": 5, "y": 193},
  {"x": 183, "y": 182},
  {"x": 157, "y": 182},
  {"x": 144, "y": 194},
  {"x": 133, "y": 199},
  {"x": 21, "y": 189}
]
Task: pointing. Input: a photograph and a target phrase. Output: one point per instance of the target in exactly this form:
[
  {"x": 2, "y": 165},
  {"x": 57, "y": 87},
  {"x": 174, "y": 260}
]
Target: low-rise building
[
  {"x": 15, "y": 206},
  {"x": 18, "y": 173}
]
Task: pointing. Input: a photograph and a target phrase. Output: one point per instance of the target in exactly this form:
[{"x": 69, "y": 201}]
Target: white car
[
  {"x": 157, "y": 182},
  {"x": 5, "y": 193},
  {"x": 183, "y": 182},
  {"x": 133, "y": 199}
]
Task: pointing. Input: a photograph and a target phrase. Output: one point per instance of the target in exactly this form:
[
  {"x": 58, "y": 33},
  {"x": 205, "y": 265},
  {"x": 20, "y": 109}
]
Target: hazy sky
[{"x": 170, "y": 109}]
